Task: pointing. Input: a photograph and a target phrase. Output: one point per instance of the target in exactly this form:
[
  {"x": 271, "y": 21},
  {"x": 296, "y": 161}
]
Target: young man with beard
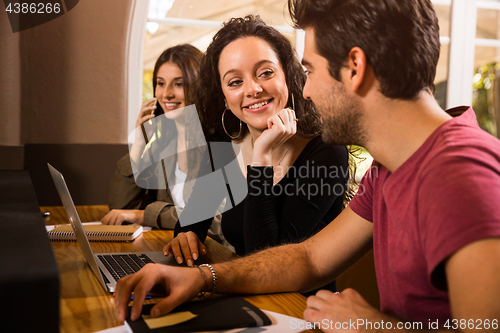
[{"x": 429, "y": 205}]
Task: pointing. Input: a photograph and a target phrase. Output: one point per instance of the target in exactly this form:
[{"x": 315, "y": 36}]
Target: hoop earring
[
  {"x": 224, "y": 127},
  {"x": 293, "y": 106}
]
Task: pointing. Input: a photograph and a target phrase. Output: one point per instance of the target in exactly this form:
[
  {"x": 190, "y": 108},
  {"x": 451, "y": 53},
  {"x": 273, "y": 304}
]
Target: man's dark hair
[{"x": 400, "y": 39}]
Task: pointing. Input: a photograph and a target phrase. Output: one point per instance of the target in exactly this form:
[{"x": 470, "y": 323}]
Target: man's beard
[{"x": 342, "y": 119}]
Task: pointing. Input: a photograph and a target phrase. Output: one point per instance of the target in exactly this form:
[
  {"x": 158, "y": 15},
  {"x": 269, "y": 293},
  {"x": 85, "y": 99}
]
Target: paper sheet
[
  {"x": 118, "y": 329},
  {"x": 280, "y": 323}
]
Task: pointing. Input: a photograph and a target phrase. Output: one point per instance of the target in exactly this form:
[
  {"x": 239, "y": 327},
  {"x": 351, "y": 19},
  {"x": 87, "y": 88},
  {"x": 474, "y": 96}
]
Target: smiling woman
[
  {"x": 169, "y": 87},
  {"x": 174, "y": 74},
  {"x": 253, "y": 83},
  {"x": 250, "y": 93}
]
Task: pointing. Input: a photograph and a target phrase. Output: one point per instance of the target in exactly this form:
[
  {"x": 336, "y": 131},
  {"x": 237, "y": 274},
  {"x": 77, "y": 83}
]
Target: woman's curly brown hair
[{"x": 210, "y": 99}]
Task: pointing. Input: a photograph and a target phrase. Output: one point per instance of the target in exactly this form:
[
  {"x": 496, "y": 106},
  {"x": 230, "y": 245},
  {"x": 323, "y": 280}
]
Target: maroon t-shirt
[{"x": 446, "y": 195}]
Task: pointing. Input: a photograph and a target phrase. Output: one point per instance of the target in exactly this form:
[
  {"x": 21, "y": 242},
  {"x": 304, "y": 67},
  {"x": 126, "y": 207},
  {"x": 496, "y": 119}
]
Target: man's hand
[
  {"x": 342, "y": 308},
  {"x": 181, "y": 285},
  {"x": 118, "y": 216}
]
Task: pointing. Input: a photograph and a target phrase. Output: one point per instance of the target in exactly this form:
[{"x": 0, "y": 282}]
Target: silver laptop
[{"x": 107, "y": 267}]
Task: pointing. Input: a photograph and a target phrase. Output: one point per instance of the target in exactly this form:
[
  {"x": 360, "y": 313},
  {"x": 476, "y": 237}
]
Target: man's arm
[
  {"x": 295, "y": 267},
  {"x": 473, "y": 280},
  {"x": 473, "y": 286},
  {"x": 303, "y": 266}
]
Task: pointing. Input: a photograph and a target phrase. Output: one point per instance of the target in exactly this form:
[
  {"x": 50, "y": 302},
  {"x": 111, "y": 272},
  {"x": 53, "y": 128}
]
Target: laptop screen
[{"x": 74, "y": 219}]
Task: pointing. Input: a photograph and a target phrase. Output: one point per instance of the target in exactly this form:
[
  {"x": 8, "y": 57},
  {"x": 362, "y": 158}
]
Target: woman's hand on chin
[{"x": 280, "y": 127}]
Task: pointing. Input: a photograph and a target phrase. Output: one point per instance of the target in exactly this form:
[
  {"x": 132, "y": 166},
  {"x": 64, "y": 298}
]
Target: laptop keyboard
[{"x": 121, "y": 265}]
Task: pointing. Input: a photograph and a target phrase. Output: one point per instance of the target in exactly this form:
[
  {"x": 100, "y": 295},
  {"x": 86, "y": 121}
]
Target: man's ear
[{"x": 356, "y": 66}]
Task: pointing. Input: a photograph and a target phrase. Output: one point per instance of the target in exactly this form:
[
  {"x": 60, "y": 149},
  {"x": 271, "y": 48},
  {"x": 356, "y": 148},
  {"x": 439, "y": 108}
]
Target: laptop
[{"x": 107, "y": 267}]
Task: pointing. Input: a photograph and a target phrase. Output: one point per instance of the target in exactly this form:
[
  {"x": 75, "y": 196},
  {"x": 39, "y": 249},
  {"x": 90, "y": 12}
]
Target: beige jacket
[{"x": 158, "y": 205}]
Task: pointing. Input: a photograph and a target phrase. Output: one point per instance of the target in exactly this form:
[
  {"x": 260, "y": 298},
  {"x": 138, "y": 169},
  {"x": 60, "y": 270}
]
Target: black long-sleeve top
[{"x": 303, "y": 202}]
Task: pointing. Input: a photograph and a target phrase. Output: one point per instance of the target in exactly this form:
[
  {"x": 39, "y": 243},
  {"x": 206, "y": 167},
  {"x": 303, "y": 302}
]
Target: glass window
[
  {"x": 443, "y": 12},
  {"x": 485, "y": 98},
  {"x": 487, "y": 22}
]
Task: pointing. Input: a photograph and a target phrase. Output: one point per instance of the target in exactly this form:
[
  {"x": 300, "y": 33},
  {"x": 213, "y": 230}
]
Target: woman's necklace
[
  {"x": 282, "y": 157},
  {"x": 278, "y": 173}
]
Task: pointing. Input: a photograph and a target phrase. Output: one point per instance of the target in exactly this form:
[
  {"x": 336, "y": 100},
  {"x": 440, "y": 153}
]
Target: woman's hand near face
[
  {"x": 118, "y": 216},
  {"x": 280, "y": 127},
  {"x": 146, "y": 112},
  {"x": 185, "y": 245}
]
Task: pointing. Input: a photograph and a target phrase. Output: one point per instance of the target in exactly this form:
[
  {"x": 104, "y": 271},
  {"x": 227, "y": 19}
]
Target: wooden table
[{"x": 87, "y": 307}]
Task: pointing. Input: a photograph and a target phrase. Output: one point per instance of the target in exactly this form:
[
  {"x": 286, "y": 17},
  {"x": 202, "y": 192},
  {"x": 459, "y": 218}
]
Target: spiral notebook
[{"x": 97, "y": 233}]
